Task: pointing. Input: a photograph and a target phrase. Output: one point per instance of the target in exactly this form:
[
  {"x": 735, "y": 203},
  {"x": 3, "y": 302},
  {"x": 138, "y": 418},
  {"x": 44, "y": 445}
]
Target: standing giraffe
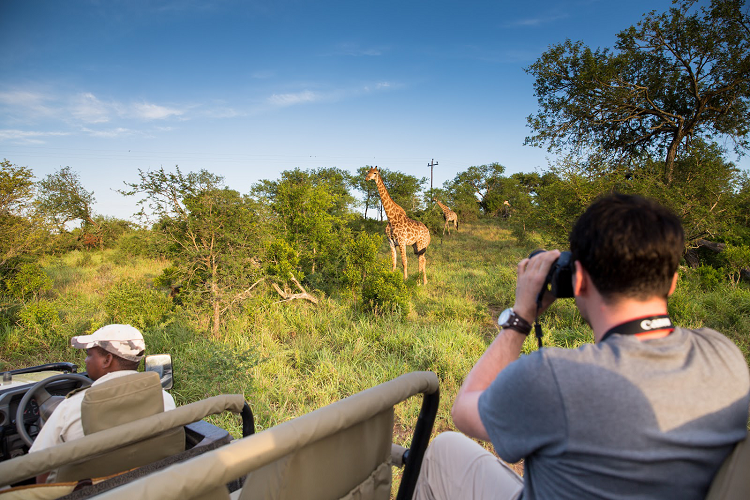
[
  {"x": 448, "y": 215},
  {"x": 401, "y": 230}
]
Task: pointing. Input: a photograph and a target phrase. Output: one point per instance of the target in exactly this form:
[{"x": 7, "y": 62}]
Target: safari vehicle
[{"x": 343, "y": 450}]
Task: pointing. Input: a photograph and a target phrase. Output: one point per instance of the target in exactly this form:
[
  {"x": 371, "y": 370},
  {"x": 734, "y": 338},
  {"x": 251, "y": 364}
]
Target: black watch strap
[{"x": 517, "y": 323}]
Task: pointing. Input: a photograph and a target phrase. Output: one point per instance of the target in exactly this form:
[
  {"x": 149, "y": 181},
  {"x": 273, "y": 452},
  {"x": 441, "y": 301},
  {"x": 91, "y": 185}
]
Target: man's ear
[
  {"x": 674, "y": 284},
  {"x": 580, "y": 279},
  {"x": 108, "y": 360}
]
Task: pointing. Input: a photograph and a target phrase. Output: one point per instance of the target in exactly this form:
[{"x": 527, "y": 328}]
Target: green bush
[
  {"x": 132, "y": 302},
  {"x": 385, "y": 291},
  {"x": 30, "y": 281},
  {"x": 738, "y": 258},
  {"x": 39, "y": 317},
  {"x": 709, "y": 277}
]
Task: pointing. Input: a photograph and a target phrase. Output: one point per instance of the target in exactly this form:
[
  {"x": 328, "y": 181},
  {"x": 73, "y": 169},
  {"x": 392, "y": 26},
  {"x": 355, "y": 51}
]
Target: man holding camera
[{"x": 650, "y": 410}]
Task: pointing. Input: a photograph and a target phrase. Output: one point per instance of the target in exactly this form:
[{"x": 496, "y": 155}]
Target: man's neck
[{"x": 621, "y": 311}]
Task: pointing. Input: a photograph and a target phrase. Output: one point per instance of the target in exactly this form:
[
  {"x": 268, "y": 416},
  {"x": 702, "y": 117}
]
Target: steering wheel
[{"x": 46, "y": 401}]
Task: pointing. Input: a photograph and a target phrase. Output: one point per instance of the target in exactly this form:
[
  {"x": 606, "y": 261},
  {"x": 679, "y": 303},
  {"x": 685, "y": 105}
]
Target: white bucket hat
[{"x": 124, "y": 341}]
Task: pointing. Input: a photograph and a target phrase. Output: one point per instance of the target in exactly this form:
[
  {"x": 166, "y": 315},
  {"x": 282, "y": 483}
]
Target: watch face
[{"x": 504, "y": 316}]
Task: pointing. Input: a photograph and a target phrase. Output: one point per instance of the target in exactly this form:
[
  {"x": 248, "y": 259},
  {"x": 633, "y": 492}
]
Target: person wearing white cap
[{"x": 112, "y": 351}]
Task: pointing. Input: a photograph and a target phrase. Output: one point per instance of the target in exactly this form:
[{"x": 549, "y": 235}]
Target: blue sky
[{"x": 248, "y": 89}]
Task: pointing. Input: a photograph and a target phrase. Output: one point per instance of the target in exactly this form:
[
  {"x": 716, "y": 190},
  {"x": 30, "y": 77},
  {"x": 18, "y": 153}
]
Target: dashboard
[{"x": 14, "y": 386}]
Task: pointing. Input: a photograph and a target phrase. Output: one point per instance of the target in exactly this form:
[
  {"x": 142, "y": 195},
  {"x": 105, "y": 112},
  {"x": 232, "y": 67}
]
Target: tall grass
[{"x": 291, "y": 358}]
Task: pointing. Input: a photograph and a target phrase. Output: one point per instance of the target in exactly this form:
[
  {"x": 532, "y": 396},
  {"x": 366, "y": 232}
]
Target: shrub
[
  {"x": 132, "y": 302},
  {"x": 709, "y": 277},
  {"x": 738, "y": 258},
  {"x": 385, "y": 291},
  {"x": 39, "y": 317},
  {"x": 29, "y": 281}
]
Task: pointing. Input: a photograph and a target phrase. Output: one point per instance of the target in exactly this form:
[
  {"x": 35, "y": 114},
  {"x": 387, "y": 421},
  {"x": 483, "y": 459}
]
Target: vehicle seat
[
  {"x": 354, "y": 463},
  {"x": 116, "y": 402},
  {"x": 732, "y": 482}
]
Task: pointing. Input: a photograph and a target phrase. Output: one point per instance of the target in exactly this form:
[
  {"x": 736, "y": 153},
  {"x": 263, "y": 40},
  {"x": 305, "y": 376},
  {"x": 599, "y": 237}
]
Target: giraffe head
[
  {"x": 372, "y": 174},
  {"x": 434, "y": 199}
]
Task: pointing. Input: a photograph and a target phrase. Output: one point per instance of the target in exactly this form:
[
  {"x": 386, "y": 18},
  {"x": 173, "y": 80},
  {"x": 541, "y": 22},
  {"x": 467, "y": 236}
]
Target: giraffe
[
  {"x": 506, "y": 209},
  {"x": 401, "y": 230},
  {"x": 449, "y": 215}
]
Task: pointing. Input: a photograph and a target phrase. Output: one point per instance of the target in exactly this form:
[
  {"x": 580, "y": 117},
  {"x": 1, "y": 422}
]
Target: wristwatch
[{"x": 510, "y": 320}]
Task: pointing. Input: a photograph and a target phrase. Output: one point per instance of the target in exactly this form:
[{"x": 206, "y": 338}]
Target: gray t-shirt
[{"x": 622, "y": 418}]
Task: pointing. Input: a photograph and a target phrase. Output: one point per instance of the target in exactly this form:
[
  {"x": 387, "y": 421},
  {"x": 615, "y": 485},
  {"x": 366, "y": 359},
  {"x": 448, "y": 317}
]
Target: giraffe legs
[
  {"x": 392, "y": 244},
  {"x": 403, "y": 258},
  {"x": 422, "y": 268}
]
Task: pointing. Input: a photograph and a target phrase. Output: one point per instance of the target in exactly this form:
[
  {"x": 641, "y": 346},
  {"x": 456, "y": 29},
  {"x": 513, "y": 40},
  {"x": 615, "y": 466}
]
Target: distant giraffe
[
  {"x": 449, "y": 215},
  {"x": 401, "y": 230},
  {"x": 506, "y": 209}
]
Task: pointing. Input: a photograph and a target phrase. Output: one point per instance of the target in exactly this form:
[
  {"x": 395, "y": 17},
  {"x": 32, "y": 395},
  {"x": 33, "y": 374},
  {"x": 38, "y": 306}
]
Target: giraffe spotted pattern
[{"x": 401, "y": 230}]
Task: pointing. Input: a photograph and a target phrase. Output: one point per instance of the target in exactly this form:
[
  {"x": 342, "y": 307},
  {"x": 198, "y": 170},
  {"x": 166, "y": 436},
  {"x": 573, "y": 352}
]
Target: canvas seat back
[
  {"x": 116, "y": 402},
  {"x": 732, "y": 482}
]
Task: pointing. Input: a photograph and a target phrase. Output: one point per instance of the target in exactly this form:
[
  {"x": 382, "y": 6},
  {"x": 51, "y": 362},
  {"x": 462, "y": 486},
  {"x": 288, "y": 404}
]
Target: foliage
[
  {"x": 311, "y": 212},
  {"x": 384, "y": 291},
  {"x": 28, "y": 282},
  {"x": 62, "y": 198},
  {"x": 368, "y": 188},
  {"x": 282, "y": 261},
  {"x": 361, "y": 260},
  {"x": 212, "y": 234},
  {"x": 22, "y": 229},
  {"x": 39, "y": 317},
  {"x": 674, "y": 76},
  {"x": 739, "y": 259},
  {"x": 482, "y": 184},
  {"x": 132, "y": 302}
]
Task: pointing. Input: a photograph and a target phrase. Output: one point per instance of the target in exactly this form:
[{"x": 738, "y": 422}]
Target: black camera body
[{"x": 559, "y": 280}]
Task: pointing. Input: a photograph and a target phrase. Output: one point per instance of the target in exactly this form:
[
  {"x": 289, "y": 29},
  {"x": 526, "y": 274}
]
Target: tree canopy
[{"x": 676, "y": 75}]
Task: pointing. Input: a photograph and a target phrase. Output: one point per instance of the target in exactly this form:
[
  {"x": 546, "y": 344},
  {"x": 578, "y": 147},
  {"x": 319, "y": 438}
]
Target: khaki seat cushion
[
  {"x": 732, "y": 482},
  {"x": 353, "y": 463},
  {"x": 116, "y": 402}
]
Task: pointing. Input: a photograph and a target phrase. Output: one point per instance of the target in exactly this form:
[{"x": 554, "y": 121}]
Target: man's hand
[{"x": 531, "y": 276}]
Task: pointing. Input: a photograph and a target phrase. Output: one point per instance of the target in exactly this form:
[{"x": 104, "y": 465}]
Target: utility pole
[{"x": 432, "y": 164}]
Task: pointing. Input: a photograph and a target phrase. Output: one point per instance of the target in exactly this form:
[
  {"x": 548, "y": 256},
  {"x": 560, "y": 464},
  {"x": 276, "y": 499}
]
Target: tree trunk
[
  {"x": 679, "y": 135},
  {"x": 215, "y": 300}
]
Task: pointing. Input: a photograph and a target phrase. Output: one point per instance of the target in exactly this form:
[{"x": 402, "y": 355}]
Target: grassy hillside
[{"x": 291, "y": 358}]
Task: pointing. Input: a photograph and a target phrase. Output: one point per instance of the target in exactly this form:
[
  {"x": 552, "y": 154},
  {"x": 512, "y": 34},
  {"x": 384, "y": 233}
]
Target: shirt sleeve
[
  {"x": 168, "y": 401},
  {"x": 522, "y": 410},
  {"x": 51, "y": 433}
]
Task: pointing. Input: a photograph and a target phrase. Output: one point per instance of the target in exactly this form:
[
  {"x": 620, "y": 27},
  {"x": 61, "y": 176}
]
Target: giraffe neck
[{"x": 392, "y": 210}]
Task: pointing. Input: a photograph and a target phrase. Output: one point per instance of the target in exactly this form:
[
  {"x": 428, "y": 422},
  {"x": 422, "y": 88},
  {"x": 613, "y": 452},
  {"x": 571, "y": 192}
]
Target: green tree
[
  {"x": 22, "y": 229},
  {"x": 367, "y": 188},
  {"x": 483, "y": 184},
  {"x": 63, "y": 199},
  {"x": 311, "y": 212},
  {"x": 676, "y": 75},
  {"x": 213, "y": 235}
]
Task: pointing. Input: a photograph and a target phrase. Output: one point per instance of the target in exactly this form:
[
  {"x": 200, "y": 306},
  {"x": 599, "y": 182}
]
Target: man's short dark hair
[{"x": 629, "y": 245}]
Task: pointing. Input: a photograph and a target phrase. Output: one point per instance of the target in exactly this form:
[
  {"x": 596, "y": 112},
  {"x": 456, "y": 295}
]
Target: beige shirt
[{"x": 65, "y": 422}]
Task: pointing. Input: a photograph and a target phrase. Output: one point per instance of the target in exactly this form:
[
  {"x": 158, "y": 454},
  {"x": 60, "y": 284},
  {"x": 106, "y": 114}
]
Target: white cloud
[
  {"x": 291, "y": 99},
  {"x": 28, "y": 102},
  {"x": 87, "y": 108},
  {"x": 146, "y": 111},
  {"x": 27, "y": 136},
  {"x": 538, "y": 21},
  {"x": 115, "y": 132}
]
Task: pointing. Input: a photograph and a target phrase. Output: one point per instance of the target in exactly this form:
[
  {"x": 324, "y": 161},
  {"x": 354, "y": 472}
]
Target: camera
[{"x": 559, "y": 279}]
